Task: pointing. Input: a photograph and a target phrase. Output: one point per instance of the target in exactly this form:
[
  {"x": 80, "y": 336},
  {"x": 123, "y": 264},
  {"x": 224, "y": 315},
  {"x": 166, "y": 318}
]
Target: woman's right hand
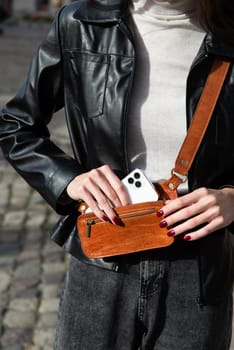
[{"x": 101, "y": 190}]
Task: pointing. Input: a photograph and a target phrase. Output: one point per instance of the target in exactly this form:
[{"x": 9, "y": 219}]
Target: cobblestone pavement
[{"x": 32, "y": 268}]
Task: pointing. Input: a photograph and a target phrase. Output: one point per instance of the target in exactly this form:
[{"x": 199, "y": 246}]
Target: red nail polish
[
  {"x": 163, "y": 224},
  {"x": 171, "y": 233},
  {"x": 187, "y": 238},
  {"x": 105, "y": 218},
  {"x": 117, "y": 221},
  {"x": 159, "y": 213}
]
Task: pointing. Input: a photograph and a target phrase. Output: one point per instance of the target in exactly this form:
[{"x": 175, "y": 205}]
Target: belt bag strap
[{"x": 197, "y": 129}]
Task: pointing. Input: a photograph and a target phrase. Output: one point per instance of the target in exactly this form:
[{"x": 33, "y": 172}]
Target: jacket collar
[
  {"x": 212, "y": 46},
  {"x": 102, "y": 11},
  {"x": 218, "y": 47}
]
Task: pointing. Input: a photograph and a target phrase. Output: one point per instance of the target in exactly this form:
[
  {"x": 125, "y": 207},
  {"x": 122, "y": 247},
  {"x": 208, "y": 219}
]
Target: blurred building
[
  {"x": 48, "y": 4},
  {"x": 41, "y": 5},
  {"x": 7, "y": 5},
  {"x": 45, "y": 5}
]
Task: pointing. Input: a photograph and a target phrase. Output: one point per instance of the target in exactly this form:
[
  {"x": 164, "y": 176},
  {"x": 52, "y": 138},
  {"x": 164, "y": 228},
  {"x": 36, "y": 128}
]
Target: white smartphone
[{"x": 139, "y": 187}]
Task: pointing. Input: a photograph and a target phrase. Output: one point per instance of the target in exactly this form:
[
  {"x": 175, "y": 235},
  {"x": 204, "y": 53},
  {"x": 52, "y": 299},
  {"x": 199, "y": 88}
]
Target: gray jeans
[{"x": 152, "y": 304}]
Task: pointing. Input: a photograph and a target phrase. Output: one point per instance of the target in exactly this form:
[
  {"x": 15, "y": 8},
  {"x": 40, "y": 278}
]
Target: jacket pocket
[{"x": 90, "y": 71}]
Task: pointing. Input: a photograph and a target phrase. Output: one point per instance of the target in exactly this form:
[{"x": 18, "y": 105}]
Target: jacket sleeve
[{"x": 24, "y": 136}]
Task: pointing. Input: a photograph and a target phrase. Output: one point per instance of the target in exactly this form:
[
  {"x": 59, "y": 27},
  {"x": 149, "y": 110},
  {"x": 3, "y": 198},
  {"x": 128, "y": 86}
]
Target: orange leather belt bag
[{"x": 140, "y": 229}]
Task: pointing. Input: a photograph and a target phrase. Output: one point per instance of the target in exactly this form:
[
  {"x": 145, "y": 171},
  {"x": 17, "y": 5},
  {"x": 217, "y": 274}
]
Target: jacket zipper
[{"x": 93, "y": 221}]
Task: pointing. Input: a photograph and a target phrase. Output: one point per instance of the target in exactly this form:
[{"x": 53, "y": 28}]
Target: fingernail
[
  {"x": 187, "y": 238},
  {"x": 163, "y": 224},
  {"x": 105, "y": 218},
  {"x": 171, "y": 233},
  {"x": 159, "y": 213},
  {"x": 117, "y": 221}
]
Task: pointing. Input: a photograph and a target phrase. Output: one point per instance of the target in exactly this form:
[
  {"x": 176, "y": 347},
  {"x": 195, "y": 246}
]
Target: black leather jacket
[{"x": 87, "y": 64}]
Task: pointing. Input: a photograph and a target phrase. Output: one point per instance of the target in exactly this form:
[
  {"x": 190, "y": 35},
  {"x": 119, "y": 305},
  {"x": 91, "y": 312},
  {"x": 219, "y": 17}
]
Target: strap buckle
[{"x": 182, "y": 178}]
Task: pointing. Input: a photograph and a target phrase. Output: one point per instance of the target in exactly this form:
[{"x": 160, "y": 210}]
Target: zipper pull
[{"x": 88, "y": 227}]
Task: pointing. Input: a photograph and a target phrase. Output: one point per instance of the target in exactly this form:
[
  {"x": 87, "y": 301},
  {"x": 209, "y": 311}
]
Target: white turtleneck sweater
[{"x": 168, "y": 38}]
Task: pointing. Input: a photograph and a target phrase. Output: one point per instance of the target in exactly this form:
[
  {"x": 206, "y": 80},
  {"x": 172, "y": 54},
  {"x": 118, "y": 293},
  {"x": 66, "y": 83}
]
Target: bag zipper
[{"x": 93, "y": 221}]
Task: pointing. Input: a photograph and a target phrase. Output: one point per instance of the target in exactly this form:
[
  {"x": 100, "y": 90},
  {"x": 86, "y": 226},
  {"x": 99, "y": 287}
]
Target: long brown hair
[{"x": 217, "y": 16}]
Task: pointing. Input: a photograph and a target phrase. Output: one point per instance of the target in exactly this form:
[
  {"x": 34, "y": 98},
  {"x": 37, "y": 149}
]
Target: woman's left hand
[{"x": 200, "y": 212}]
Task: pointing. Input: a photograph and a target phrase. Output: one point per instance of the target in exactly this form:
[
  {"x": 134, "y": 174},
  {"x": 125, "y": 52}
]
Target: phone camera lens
[
  {"x": 137, "y": 175},
  {"x": 130, "y": 180},
  {"x": 138, "y": 184}
]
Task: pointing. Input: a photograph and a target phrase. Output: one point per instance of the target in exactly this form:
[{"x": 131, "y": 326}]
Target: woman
[{"x": 121, "y": 75}]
